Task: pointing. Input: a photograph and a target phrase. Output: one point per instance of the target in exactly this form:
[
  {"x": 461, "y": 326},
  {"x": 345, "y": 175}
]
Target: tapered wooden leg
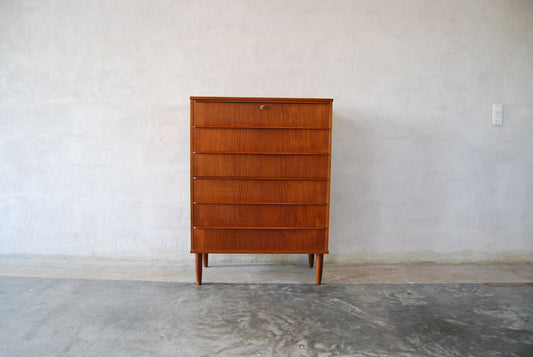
[
  {"x": 205, "y": 260},
  {"x": 198, "y": 261},
  {"x": 311, "y": 260},
  {"x": 319, "y": 263}
]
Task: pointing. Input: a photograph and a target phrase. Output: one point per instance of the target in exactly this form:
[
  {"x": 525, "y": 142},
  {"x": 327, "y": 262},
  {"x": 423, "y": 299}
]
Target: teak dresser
[{"x": 260, "y": 173}]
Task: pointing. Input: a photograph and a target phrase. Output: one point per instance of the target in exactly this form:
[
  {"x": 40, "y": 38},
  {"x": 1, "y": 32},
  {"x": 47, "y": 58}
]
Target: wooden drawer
[
  {"x": 260, "y": 140},
  {"x": 246, "y": 165},
  {"x": 239, "y": 215},
  {"x": 305, "y": 241},
  {"x": 259, "y": 191},
  {"x": 260, "y": 172},
  {"x": 251, "y": 115}
]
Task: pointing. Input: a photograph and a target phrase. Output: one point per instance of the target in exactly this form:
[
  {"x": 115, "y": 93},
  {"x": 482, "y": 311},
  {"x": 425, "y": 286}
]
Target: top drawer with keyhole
[{"x": 261, "y": 115}]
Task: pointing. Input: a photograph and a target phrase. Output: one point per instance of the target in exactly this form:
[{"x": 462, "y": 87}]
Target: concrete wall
[{"x": 94, "y": 118}]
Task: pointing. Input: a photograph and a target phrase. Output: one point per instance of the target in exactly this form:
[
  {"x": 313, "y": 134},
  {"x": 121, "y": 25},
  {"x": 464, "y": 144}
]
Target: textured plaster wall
[{"x": 94, "y": 117}]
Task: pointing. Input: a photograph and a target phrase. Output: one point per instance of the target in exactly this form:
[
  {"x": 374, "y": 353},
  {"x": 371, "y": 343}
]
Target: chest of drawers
[{"x": 260, "y": 174}]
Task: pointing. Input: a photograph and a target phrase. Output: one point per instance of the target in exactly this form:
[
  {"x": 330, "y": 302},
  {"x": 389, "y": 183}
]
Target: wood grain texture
[
  {"x": 260, "y": 172},
  {"x": 299, "y": 241},
  {"x": 247, "y": 165},
  {"x": 260, "y": 114},
  {"x": 228, "y": 215},
  {"x": 260, "y": 140},
  {"x": 259, "y": 191}
]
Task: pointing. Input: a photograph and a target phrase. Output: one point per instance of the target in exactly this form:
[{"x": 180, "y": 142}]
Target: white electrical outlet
[{"x": 497, "y": 114}]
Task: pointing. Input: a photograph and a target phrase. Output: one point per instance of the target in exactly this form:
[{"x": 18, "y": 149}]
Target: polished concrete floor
[{"x": 51, "y": 307}]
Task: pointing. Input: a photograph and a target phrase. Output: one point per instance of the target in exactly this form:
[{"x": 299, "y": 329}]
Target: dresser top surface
[{"x": 260, "y": 99}]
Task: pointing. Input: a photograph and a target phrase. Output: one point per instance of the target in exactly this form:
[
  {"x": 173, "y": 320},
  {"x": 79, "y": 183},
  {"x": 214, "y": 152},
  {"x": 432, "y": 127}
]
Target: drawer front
[
  {"x": 259, "y": 191},
  {"x": 271, "y": 115},
  {"x": 301, "y": 216},
  {"x": 310, "y": 166},
  {"x": 307, "y": 241},
  {"x": 260, "y": 140}
]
